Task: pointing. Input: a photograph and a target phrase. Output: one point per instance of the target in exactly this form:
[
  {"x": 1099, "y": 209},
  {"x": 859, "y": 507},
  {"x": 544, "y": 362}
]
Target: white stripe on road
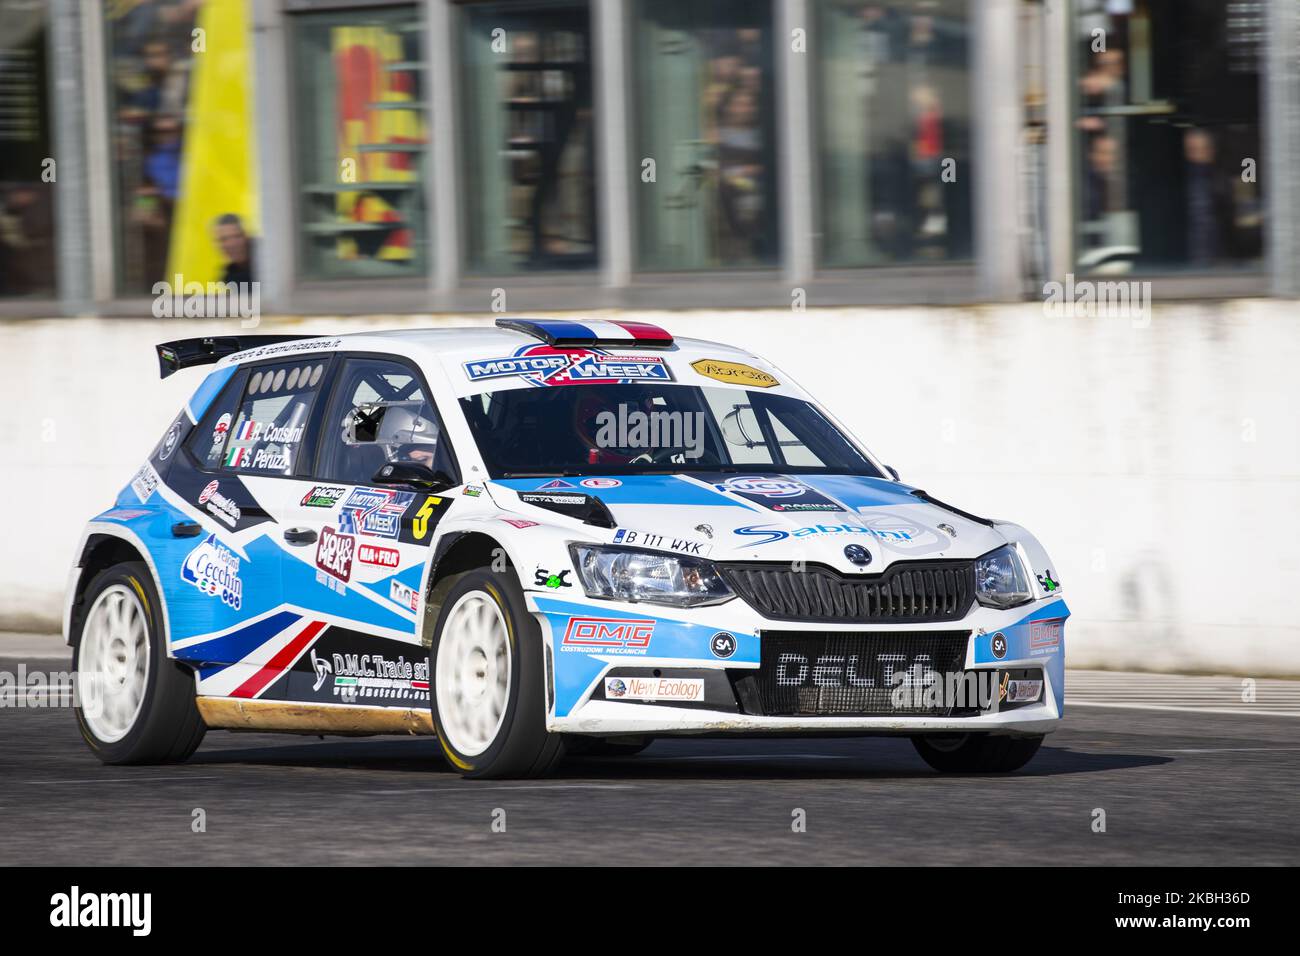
[
  {"x": 1232, "y": 750},
  {"x": 471, "y": 788},
  {"x": 179, "y": 778},
  {"x": 1244, "y": 711}
]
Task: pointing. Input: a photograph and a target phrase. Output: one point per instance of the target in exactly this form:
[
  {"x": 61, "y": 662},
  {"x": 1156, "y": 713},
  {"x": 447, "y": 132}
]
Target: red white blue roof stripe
[{"x": 566, "y": 333}]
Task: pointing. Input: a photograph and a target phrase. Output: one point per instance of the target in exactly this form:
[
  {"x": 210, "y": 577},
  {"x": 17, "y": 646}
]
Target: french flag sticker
[{"x": 247, "y": 431}]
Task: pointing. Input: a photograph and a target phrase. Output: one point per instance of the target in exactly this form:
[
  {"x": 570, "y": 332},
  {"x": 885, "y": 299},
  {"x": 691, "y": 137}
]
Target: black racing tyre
[
  {"x": 576, "y": 745},
  {"x": 134, "y": 705},
  {"x": 487, "y": 677},
  {"x": 976, "y": 753}
]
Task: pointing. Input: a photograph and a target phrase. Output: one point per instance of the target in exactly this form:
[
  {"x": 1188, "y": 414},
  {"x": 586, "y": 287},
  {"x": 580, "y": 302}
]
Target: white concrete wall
[{"x": 1159, "y": 465}]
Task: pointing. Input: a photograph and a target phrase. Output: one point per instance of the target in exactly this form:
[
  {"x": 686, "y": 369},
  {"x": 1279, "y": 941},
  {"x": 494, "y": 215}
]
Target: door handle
[
  {"x": 299, "y": 536},
  {"x": 186, "y": 529}
]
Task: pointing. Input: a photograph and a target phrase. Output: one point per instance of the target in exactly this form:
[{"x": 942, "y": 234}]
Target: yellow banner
[{"x": 219, "y": 162}]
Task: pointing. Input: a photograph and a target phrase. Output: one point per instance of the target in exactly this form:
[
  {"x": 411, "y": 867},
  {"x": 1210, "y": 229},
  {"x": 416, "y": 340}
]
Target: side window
[
  {"x": 267, "y": 433},
  {"x": 378, "y": 413},
  {"x": 207, "y": 442}
]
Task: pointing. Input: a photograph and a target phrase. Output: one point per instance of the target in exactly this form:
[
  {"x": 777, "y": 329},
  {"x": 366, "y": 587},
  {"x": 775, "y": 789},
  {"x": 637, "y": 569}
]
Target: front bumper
[
  {"x": 586, "y": 641},
  {"x": 607, "y": 718}
]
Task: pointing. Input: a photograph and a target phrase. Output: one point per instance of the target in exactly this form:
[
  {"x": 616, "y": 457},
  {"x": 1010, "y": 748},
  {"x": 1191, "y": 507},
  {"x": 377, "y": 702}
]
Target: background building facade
[{"x": 409, "y": 157}]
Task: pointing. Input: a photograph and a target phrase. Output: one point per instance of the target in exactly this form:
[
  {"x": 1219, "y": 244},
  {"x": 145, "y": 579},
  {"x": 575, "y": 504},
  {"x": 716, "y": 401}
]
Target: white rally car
[{"x": 544, "y": 537}]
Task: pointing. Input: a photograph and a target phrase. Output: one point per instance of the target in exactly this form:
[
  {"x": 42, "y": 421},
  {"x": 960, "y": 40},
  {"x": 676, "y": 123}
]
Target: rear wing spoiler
[{"x": 185, "y": 353}]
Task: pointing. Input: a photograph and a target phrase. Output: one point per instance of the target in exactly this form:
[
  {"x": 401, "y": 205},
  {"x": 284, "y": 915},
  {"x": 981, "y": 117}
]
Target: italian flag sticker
[{"x": 237, "y": 457}]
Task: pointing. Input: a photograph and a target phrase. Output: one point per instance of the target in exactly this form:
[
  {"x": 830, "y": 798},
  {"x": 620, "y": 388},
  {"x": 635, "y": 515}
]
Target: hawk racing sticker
[
  {"x": 219, "y": 505},
  {"x": 734, "y": 373}
]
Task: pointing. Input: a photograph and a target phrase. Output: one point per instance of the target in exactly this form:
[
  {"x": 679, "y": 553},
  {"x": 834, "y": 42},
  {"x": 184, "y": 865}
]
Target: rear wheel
[
  {"x": 133, "y": 703},
  {"x": 488, "y": 676},
  {"x": 976, "y": 753}
]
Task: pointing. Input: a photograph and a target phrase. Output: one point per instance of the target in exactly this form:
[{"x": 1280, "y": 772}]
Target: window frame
[
  {"x": 242, "y": 375},
  {"x": 335, "y": 384},
  {"x": 238, "y": 381}
]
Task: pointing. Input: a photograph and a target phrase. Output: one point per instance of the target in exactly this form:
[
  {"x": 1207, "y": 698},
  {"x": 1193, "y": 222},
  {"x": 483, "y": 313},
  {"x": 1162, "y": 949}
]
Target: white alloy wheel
[
  {"x": 473, "y": 673},
  {"x": 113, "y": 669}
]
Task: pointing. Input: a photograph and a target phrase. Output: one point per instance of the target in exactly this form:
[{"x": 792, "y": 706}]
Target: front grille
[
  {"x": 911, "y": 592},
  {"x": 839, "y": 673}
]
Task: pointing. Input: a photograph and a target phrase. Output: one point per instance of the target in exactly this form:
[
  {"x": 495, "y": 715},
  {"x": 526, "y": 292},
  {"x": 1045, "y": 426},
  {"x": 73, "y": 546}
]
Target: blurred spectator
[
  {"x": 740, "y": 173},
  {"x": 164, "y": 81},
  {"x": 1209, "y": 202},
  {"x": 1103, "y": 155},
  {"x": 236, "y": 248},
  {"x": 26, "y": 240},
  {"x": 1167, "y": 112},
  {"x": 150, "y": 56}
]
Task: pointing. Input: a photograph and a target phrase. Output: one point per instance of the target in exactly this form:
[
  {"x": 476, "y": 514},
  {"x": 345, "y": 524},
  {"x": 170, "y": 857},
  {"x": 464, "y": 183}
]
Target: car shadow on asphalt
[{"x": 826, "y": 759}]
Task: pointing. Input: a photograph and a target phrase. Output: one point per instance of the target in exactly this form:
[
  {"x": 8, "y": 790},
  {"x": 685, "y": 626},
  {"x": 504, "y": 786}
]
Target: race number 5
[{"x": 420, "y": 523}]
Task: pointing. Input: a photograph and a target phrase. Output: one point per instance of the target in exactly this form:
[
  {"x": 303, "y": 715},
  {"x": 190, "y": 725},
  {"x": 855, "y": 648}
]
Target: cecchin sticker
[{"x": 214, "y": 570}]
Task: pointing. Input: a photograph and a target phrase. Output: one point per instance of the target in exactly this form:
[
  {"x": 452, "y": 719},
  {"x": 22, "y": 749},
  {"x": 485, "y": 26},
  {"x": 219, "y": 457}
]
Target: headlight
[
  {"x": 1001, "y": 579},
  {"x": 625, "y": 574}
]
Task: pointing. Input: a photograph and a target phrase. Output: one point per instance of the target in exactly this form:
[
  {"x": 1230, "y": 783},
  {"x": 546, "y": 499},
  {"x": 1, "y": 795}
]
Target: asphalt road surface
[{"x": 1177, "y": 787}]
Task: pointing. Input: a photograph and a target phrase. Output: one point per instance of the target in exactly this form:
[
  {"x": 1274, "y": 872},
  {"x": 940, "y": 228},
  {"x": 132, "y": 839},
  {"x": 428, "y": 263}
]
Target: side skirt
[{"x": 227, "y": 713}]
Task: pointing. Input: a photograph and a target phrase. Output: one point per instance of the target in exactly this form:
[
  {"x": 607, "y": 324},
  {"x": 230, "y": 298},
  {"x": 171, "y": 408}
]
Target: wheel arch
[
  {"x": 103, "y": 546},
  {"x": 456, "y": 552}
]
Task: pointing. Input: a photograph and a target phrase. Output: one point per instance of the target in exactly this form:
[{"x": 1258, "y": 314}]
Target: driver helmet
[{"x": 403, "y": 430}]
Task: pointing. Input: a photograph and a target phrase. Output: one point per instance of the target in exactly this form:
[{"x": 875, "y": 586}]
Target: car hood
[{"x": 774, "y": 517}]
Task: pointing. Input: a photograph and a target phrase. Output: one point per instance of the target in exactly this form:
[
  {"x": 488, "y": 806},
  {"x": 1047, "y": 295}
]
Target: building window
[
  {"x": 361, "y": 142},
  {"x": 180, "y": 78},
  {"x": 26, "y": 183},
  {"x": 1168, "y": 134},
  {"x": 705, "y": 106},
  {"x": 894, "y": 109},
  {"x": 528, "y": 138}
]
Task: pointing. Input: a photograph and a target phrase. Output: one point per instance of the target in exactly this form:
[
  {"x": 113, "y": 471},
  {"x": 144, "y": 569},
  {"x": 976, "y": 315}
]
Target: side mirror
[
  {"x": 893, "y": 471},
  {"x": 412, "y": 473}
]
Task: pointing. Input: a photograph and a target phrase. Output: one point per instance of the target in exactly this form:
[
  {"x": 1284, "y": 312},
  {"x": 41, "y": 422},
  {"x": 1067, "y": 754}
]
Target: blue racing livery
[{"x": 509, "y": 540}]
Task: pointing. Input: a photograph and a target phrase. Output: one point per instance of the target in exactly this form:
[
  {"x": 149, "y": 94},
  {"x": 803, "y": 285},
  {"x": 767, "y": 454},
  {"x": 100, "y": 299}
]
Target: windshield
[{"x": 647, "y": 428}]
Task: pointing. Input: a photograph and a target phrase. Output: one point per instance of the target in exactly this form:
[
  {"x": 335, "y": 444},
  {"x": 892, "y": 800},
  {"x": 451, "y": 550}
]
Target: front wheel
[
  {"x": 488, "y": 676},
  {"x": 976, "y": 753},
  {"x": 133, "y": 703}
]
